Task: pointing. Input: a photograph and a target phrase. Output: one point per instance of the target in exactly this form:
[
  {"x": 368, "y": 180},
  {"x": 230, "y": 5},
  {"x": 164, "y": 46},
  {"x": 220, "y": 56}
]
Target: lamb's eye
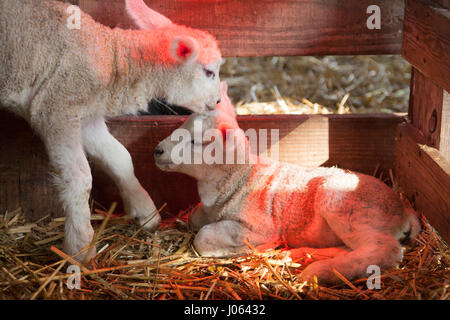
[{"x": 209, "y": 73}]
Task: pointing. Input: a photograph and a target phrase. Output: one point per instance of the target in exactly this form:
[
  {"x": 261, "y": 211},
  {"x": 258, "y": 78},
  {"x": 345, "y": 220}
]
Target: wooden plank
[
  {"x": 424, "y": 176},
  {"x": 25, "y": 179},
  {"x": 425, "y": 109},
  {"x": 444, "y": 147},
  {"x": 426, "y": 40},
  {"x": 356, "y": 142},
  {"x": 276, "y": 27},
  {"x": 443, "y": 3}
]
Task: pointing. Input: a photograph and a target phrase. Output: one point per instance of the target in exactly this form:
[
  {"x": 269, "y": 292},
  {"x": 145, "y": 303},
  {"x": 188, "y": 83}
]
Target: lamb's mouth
[
  {"x": 164, "y": 165},
  {"x": 159, "y": 106}
]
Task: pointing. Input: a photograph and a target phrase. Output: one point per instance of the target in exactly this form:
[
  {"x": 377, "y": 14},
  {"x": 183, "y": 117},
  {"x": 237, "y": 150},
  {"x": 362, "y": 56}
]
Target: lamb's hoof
[
  {"x": 77, "y": 240},
  {"x": 322, "y": 272},
  {"x": 150, "y": 223},
  {"x": 85, "y": 257},
  {"x": 143, "y": 210}
]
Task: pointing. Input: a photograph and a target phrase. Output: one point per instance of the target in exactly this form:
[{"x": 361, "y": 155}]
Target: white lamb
[
  {"x": 353, "y": 219},
  {"x": 64, "y": 82}
]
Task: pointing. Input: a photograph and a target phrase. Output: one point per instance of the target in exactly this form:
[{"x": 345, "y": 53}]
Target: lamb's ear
[
  {"x": 233, "y": 137},
  {"x": 143, "y": 17},
  {"x": 225, "y": 104},
  {"x": 224, "y": 88},
  {"x": 227, "y": 133},
  {"x": 184, "y": 49},
  {"x": 224, "y": 121}
]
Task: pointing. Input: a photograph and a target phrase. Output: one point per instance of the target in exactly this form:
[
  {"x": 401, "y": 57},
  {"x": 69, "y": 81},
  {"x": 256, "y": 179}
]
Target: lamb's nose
[
  {"x": 218, "y": 101},
  {"x": 158, "y": 151}
]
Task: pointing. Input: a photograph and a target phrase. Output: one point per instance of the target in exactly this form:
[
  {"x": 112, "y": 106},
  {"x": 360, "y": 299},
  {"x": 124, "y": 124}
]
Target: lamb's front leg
[
  {"x": 73, "y": 180},
  {"x": 199, "y": 218},
  {"x": 112, "y": 156},
  {"x": 226, "y": 238}
]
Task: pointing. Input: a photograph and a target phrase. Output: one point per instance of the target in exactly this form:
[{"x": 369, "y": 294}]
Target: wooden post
[
  {"x": 422, "y": 159},
  {"x": 445, "y": 127},
  {"x": 425, "y": 107},
  {"x": 426, "y": 40}
]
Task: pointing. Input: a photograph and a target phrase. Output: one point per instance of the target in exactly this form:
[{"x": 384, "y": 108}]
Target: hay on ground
[{"x": 135, "y": 264}]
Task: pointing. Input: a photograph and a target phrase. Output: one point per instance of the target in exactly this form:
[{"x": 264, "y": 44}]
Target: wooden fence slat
[
  {"x": 276, "y": 27},
  {"x": 425, "y": 107},
  {"x": 424, "y": 175},
  {"x": 357, "y": 142},
  {"x": 426, "y": 40},
  {"x": 444, "y": 147}
]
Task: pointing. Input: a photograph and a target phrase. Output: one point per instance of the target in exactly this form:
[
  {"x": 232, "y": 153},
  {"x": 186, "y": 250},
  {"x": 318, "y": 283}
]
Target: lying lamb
[
  {"x": 64, "y": 82},
  {"x": 354, "y": 219}
]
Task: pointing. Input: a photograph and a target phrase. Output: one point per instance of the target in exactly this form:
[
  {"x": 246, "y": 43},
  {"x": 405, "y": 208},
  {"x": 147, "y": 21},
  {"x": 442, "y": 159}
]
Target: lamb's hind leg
[
  {"x": 378, "y": 249},
  {"x": 112, "y": 156}
]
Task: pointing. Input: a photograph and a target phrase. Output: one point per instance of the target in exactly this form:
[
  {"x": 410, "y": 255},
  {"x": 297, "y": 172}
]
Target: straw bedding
[{"x": 135, "y": 264}]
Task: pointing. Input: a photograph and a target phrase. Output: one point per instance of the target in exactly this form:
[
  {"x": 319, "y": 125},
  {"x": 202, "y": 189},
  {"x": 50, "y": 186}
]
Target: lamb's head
[
  {"x": 206, "y": 144},
  {"x": 191, "y": 59}
]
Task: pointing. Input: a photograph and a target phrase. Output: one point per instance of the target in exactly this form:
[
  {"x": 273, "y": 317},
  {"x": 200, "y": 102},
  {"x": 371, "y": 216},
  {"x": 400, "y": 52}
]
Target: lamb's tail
[{"x": 412, "y": 226}]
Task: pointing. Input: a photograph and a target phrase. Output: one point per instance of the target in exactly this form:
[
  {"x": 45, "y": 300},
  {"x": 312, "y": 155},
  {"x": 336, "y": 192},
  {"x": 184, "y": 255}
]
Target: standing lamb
[
  {"x": 65, "y": 81},
  {"x": 353, "y": 218}
]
